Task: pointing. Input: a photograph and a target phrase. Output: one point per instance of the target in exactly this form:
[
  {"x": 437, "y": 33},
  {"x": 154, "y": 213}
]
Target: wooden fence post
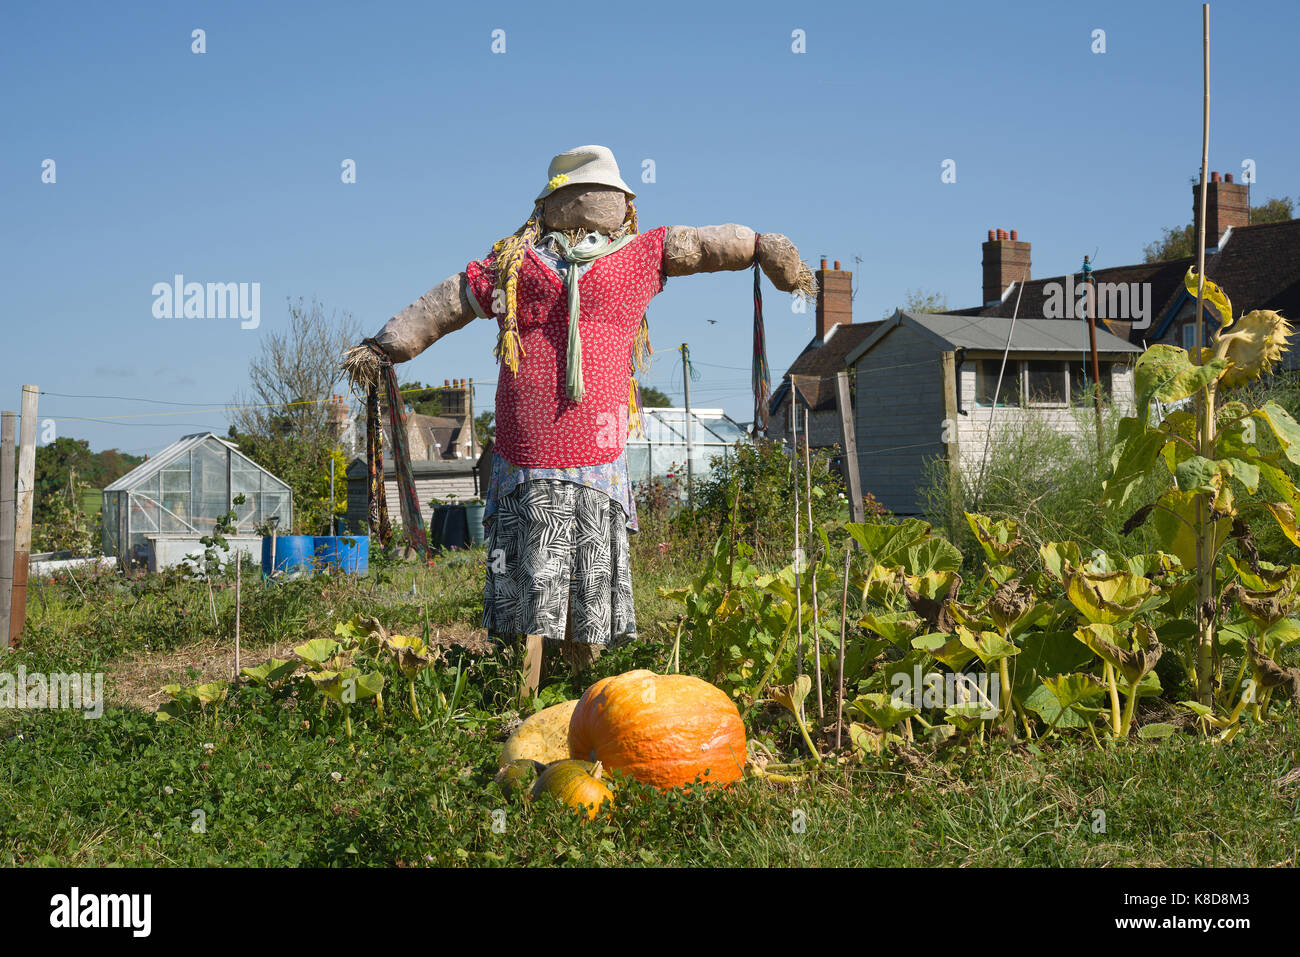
[
  {"x": 8, "y": 423},
  {"x": 23, "y": 515},
  {"x": 948, "y": 369},
  {"x": 857, "y": 510}
]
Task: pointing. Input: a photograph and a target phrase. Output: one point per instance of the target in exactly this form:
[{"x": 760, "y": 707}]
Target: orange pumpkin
[
  {"x": 663, "y": 730},
  {"x": 577, "y": 784}
]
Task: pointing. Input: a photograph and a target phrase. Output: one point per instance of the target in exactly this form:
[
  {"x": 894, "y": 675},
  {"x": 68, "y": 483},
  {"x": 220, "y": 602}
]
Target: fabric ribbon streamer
[
  {"x": 762, "y": 375},
  {"x": 377, "y": 498},
  {"x": 412, "y": 520}
]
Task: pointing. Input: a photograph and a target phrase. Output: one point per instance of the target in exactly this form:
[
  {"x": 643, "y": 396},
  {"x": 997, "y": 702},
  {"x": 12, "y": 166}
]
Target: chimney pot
[
  {"x": 446, "y": 383},
  {"x": 1214, "y": 177},
  {"x": 1002, "y": 235},
  {"x": 1013, "y": 236},
  {"x": 837, "y": 265},
  {"x": 990, "y": 235},
  {"x": 1227, "y": 178},
  {"x": 823, "y": 265}
]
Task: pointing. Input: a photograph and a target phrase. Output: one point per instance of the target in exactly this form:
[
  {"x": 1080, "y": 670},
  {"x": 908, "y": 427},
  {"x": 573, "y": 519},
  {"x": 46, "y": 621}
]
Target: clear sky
[{"x": 225, "y": 166}]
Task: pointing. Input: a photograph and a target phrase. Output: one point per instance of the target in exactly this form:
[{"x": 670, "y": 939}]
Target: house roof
[
  {"x": 990, "y": 334},
  {"x": 1258, "y": 267},
  {"x": 156, "y": 463},
  {"x": 817, "y": 364},
  {"x": 420, "y": 468}
]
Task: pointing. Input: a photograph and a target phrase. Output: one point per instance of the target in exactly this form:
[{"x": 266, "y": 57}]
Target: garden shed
[
  {"x": 176, "y": 497},
  {"x": 926, "y": 382}
]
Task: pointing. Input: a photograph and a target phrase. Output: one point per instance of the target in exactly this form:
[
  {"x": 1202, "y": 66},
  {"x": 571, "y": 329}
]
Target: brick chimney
[
  {"x": 1006, "y": 260},
  {"x": 1227, "y": 204},
  {"x": 834, "y": 298}
]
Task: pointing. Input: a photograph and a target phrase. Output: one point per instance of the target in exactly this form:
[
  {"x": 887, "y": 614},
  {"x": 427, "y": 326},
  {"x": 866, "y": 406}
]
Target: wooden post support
[
  {"x": 8, "y": 424},
  {"x": 23, "y": 515},
  {"x": 948, "y": 370},
  {"x": 690, "y": 449},
  {"x": 857, "y": 511}
]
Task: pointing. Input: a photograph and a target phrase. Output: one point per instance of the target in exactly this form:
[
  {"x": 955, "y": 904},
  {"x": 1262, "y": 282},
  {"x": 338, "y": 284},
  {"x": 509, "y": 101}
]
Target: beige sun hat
[{"x": 593, "y": 165}]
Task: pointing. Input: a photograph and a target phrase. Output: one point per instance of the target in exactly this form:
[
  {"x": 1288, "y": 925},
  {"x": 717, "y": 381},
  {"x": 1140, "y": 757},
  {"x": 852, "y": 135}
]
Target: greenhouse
[
  {"x": 181, "y": 492},
  {"x": 661, "y": 450}
]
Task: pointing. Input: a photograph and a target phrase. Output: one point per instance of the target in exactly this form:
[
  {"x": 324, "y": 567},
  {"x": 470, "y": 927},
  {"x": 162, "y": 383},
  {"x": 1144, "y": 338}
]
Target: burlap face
[{"x": 598, "y": 208}]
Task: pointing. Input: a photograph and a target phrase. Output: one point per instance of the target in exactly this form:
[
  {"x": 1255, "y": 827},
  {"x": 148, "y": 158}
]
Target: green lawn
[{"x": 273, "y": 783}]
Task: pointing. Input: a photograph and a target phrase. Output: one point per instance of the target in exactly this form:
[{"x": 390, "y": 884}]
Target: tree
[
  {"x": 485, "y": 427},
  {"x": 283, "y": 422},
  {"x": 652, "y": 398},
  {"x": 918, "y": 300},
  {"x": 421, "y": 398},
  {"x": 58, "y": 460},
  {"x": 1179, "y": 242}
]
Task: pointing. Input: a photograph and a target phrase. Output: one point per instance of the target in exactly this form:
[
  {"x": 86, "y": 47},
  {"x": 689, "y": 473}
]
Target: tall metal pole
[
  {"x": 690, "y": 464},
  {"x": 8, "y": 426},
  {"x": 1091, "y": 311},
  {"x": 23, "y": 514},
  {"x": 1204, "y": 407}
]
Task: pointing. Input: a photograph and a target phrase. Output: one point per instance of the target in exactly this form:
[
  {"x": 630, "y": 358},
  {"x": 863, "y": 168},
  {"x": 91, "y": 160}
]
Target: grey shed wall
[{"x": 899, "y": 417}]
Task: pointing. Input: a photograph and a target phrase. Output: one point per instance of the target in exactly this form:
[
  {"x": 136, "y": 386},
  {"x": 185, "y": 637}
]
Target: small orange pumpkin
[
  {"x": 663, "y": 730},
  {"x": 577, "y": 784}
]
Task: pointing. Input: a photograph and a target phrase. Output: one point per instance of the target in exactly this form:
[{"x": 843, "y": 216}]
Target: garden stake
[
  {"x": 839, "y": 678},
  {"x": 816, "y": 634},
  {"x": 798, "y": 590},
  {"x": 238, "y": 583}
]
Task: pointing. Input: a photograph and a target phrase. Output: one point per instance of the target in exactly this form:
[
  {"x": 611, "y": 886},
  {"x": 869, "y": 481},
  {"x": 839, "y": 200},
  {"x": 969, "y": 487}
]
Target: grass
[{"x": 272, "y": 783}]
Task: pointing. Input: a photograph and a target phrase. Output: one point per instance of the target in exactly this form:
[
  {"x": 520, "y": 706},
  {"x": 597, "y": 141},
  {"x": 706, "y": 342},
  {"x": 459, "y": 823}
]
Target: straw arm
[
  {"x": 443, "y": 309},
  {"x": 695, "y": 249}
]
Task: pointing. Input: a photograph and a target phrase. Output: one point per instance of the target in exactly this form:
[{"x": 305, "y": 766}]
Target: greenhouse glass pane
[{"x": 211, "y": 494}]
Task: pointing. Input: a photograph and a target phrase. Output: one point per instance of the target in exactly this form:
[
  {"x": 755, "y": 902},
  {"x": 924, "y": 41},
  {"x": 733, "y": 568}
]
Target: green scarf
[{"x": 579, "y": 259}]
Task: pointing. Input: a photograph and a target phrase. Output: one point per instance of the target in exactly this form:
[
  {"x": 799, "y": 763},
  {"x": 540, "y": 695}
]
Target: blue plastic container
[
  {"x": 349, "y": 554},
  {"x": 293, "y": 553}
]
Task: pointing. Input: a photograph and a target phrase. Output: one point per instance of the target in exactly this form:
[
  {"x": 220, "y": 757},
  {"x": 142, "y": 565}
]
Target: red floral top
[{"x": 536, "y": 422}]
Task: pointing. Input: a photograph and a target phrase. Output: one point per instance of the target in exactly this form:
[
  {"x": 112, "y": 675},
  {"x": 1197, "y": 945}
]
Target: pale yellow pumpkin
[{"x": 544, "y": 737}]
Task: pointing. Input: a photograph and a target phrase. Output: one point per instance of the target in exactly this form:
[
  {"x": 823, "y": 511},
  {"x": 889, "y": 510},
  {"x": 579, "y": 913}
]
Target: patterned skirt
[{"x": 558, "y": 566}]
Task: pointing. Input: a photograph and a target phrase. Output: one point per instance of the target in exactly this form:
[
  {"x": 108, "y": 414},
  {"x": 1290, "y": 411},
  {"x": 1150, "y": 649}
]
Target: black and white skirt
[{"x": 558, "y": 566}]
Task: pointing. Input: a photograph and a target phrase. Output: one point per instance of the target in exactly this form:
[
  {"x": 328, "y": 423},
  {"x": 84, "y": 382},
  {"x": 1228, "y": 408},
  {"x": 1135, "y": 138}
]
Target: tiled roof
[{"x": 817, "y": 365}]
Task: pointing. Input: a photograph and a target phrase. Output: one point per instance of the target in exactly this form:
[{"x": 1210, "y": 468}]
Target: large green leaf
[
  {"x": 1043, "y": 702},
  {"x": 1109, "y": 597},
  {"x": 932, "y": 555},
  {"x": 1044, "y": 654},
  {"x": 988, "y": 646},
  {"x": 1211, "y": 293},
  {"x": 269, "y": 672},
  {"x": 1284, "y": 428},
  {"x": 998, "y": 538},
  {"x": 1058, "y": 555},
  {"x": 1175, "y": 520},
  {"x": 887, "y": 543},
  {"x": 1165, "y": 374},
  {"x": 1131, "y": 459},
  {"x": 882, "y": 710},
  {"x": 318, "y": 651}
]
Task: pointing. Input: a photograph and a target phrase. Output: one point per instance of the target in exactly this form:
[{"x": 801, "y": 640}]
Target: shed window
[
  {"x": 1047, "y": 382},
  {"x": 986, "y": 383},
  {"x": 1081, "y": 383}
]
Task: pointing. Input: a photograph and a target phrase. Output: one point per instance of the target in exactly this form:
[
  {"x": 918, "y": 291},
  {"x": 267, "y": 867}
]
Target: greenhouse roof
[
  {"x": 667, "y": 425},
  {"x": 145, "y": 469}
]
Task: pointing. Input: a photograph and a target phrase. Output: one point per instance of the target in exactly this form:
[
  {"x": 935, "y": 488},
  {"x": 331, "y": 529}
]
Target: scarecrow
[{"x": 569, "y": 291}]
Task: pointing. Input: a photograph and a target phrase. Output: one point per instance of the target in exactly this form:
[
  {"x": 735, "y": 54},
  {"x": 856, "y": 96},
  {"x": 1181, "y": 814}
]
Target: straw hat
[{"x": 592, "y": 165}]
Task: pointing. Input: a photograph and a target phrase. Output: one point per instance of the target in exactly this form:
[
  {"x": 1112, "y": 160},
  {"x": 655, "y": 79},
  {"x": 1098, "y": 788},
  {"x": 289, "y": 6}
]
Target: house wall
[
  {"x": 898, "y": 420},
  {"x": 462, "y": 486},
  {"x": 972, "y": 427},
  {"x": 824, "y": 426}
]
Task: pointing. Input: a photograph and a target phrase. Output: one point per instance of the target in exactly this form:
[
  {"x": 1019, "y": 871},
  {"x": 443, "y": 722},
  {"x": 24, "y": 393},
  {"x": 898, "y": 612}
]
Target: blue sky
[{"x": 225, "y": 166}]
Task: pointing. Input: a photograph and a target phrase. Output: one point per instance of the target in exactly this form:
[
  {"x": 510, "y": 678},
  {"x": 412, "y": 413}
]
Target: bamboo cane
[
  {"x": 839, "y": 678},
  {"x": 816, "y": 635}
]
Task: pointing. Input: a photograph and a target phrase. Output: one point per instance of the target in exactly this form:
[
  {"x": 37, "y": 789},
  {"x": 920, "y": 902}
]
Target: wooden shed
[
  {"x": 925, "y": 388},
  {"x": 438, "y": 478}
]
